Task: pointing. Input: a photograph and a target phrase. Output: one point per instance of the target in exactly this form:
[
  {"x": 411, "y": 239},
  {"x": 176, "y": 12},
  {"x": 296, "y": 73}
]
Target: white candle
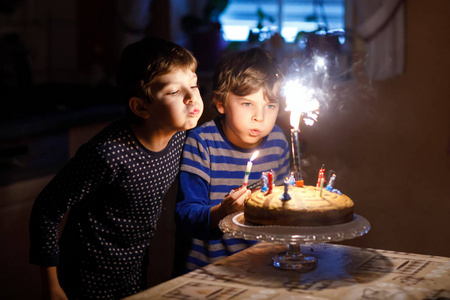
[{"x": 249, "y": 167}]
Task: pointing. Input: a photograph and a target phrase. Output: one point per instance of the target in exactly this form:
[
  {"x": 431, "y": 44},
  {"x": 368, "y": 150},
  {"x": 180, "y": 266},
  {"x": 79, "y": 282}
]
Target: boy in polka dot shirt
[{"x": 115, "y": 184}]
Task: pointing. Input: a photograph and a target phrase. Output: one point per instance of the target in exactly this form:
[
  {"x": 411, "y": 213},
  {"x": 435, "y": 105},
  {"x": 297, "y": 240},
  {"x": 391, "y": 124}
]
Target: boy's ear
[
  {"x": 139, "y": 107},
  {"x": 220, "y": 107}
]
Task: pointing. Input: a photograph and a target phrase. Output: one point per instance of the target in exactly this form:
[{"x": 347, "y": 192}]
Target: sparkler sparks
[{"x": 300, "y": 100}]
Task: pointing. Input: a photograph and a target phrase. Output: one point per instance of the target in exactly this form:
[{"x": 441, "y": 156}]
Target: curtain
[{"x": 381, "y": 24}]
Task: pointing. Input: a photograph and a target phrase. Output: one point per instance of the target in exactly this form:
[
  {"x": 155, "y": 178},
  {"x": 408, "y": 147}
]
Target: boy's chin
[
  {"x": 190, "y": 125},
  {"x": 250, "y": 143}
]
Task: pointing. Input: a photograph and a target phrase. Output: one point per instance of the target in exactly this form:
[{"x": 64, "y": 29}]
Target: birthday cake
[{"x": 307, "y": 206}]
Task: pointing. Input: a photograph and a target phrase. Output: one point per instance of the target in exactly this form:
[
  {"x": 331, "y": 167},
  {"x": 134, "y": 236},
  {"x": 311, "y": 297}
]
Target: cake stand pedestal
[{"x": 293, "y": 259}]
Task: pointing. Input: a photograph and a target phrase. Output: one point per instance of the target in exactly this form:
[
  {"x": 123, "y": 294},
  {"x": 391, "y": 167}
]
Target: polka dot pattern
[{"x": 114, "y": 188}]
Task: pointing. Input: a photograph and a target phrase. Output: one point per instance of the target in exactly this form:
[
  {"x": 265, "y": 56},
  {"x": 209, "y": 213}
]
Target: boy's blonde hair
[
  {"x": 141, "y": 62},
  {"x": 245, "y": 73}
]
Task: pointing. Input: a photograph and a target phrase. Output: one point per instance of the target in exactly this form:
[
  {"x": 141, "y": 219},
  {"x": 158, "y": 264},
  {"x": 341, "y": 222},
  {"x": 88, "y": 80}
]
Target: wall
[
  {"x": 392, "y": 144},
  {"x": 18, "y": 279},
  {"x": 48, "y": 29}
]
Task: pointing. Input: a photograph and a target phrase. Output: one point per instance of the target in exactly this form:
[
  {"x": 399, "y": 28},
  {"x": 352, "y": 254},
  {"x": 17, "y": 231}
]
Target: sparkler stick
[{"x": 296, "y": 154}]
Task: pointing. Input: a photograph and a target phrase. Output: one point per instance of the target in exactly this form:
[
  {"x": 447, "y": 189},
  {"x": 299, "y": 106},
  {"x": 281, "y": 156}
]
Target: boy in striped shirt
[{"x": 246, "y": 94}]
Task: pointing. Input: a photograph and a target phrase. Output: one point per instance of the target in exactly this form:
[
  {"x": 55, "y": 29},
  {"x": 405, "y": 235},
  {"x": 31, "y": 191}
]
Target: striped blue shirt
[{"x": 211, "y": 167}]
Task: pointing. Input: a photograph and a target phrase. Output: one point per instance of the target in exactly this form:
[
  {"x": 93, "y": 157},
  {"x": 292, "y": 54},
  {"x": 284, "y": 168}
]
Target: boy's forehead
[
  {"x": 258, "y": 95},
  {"x": 175, "y": 75}
]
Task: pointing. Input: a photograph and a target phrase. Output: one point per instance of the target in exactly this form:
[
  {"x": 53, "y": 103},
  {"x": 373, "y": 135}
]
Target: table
[{"x": 343, "y": 272}]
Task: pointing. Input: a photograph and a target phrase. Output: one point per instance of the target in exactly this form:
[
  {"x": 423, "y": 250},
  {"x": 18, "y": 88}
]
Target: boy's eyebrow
[
  {"x": 271, "y": 101},
  {"x": 160, "y": 85},
  {"x": 157, "y": 85}
]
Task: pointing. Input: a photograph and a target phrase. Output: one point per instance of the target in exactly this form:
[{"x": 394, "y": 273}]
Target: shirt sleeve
[
  {"x": 283, "y": 169},
  {"x": 193, "y": 200},
  {"x": 284, "y": 165},
  {"x": 193, "y": 207},
  {"x": 79, "y": 177}
]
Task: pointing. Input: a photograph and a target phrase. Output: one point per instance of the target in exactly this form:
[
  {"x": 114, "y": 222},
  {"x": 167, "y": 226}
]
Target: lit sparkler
[{"x": 300, "y": 101}]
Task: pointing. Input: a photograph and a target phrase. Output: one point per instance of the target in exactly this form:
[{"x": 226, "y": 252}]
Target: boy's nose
[
  {"x": 189, "y": 98},
  {"x": 258, "y": 115}
]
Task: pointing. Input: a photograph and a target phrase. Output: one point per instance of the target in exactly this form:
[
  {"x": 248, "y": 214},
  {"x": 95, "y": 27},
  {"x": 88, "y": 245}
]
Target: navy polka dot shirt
[{"x": 113, "y": 188}]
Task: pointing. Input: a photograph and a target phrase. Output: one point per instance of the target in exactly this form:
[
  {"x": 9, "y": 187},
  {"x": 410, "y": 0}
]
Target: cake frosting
[{"x": 308, "y": 206}]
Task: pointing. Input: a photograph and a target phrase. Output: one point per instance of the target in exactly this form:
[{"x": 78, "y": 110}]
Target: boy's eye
[
  {"x": 173, "y": 93},
  {"x": 271, "y": 106},
  {"x": 246, "y": 104},
  {"x": 194, "y": 87}
]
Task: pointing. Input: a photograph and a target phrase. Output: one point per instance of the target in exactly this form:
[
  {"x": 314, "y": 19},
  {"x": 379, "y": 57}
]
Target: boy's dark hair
[
  {"x": 245, "y": 73},
  {"x": 141, "y": 62}
]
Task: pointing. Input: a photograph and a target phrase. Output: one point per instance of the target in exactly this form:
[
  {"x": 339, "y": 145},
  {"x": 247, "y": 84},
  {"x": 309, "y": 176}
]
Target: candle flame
[
  {"x": 300, "y": 100},
  {"x": 255, "y": 154}
]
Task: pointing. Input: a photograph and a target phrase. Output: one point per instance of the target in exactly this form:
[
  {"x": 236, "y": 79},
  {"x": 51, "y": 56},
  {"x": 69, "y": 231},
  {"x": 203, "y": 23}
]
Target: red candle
[
  {"x": 270, "y": 181},
  {"x": 321, "y": 176}
]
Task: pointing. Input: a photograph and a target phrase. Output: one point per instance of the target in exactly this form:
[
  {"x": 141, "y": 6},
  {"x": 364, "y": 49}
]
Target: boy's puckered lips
[
  {"x": 195, "y": 112},
  {"x": 255, "y": 132}
]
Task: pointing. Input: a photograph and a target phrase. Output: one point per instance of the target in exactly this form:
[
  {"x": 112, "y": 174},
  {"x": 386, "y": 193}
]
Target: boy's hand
[
  {"x": 51, "y": 289},
  {"x": 234, "y": 202}
]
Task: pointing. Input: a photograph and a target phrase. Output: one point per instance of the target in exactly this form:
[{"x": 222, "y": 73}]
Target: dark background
[{"x": 388, "y": 141}]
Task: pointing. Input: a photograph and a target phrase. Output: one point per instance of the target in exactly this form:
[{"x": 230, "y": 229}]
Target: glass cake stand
[{"x": 293, "y": 259}]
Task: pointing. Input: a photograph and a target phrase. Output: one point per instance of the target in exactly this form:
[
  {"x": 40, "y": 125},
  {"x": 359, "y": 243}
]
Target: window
[{"x": 289, "y": 17}]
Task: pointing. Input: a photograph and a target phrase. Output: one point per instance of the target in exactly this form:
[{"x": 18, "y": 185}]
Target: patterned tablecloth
[{"x": 343, "y": 272}]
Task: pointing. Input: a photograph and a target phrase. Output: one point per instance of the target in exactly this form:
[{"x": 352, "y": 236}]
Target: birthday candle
[
  {"x": 286, "y": 195},
  {"x": 331, "y": 183},
  {"x": 264, "y": 182},
  {"x": 321, "y": 175},
  {"x": 321, "y": 185},
  {"x": 270, "y": 179},
  {"x": 249, "y": 167}
]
